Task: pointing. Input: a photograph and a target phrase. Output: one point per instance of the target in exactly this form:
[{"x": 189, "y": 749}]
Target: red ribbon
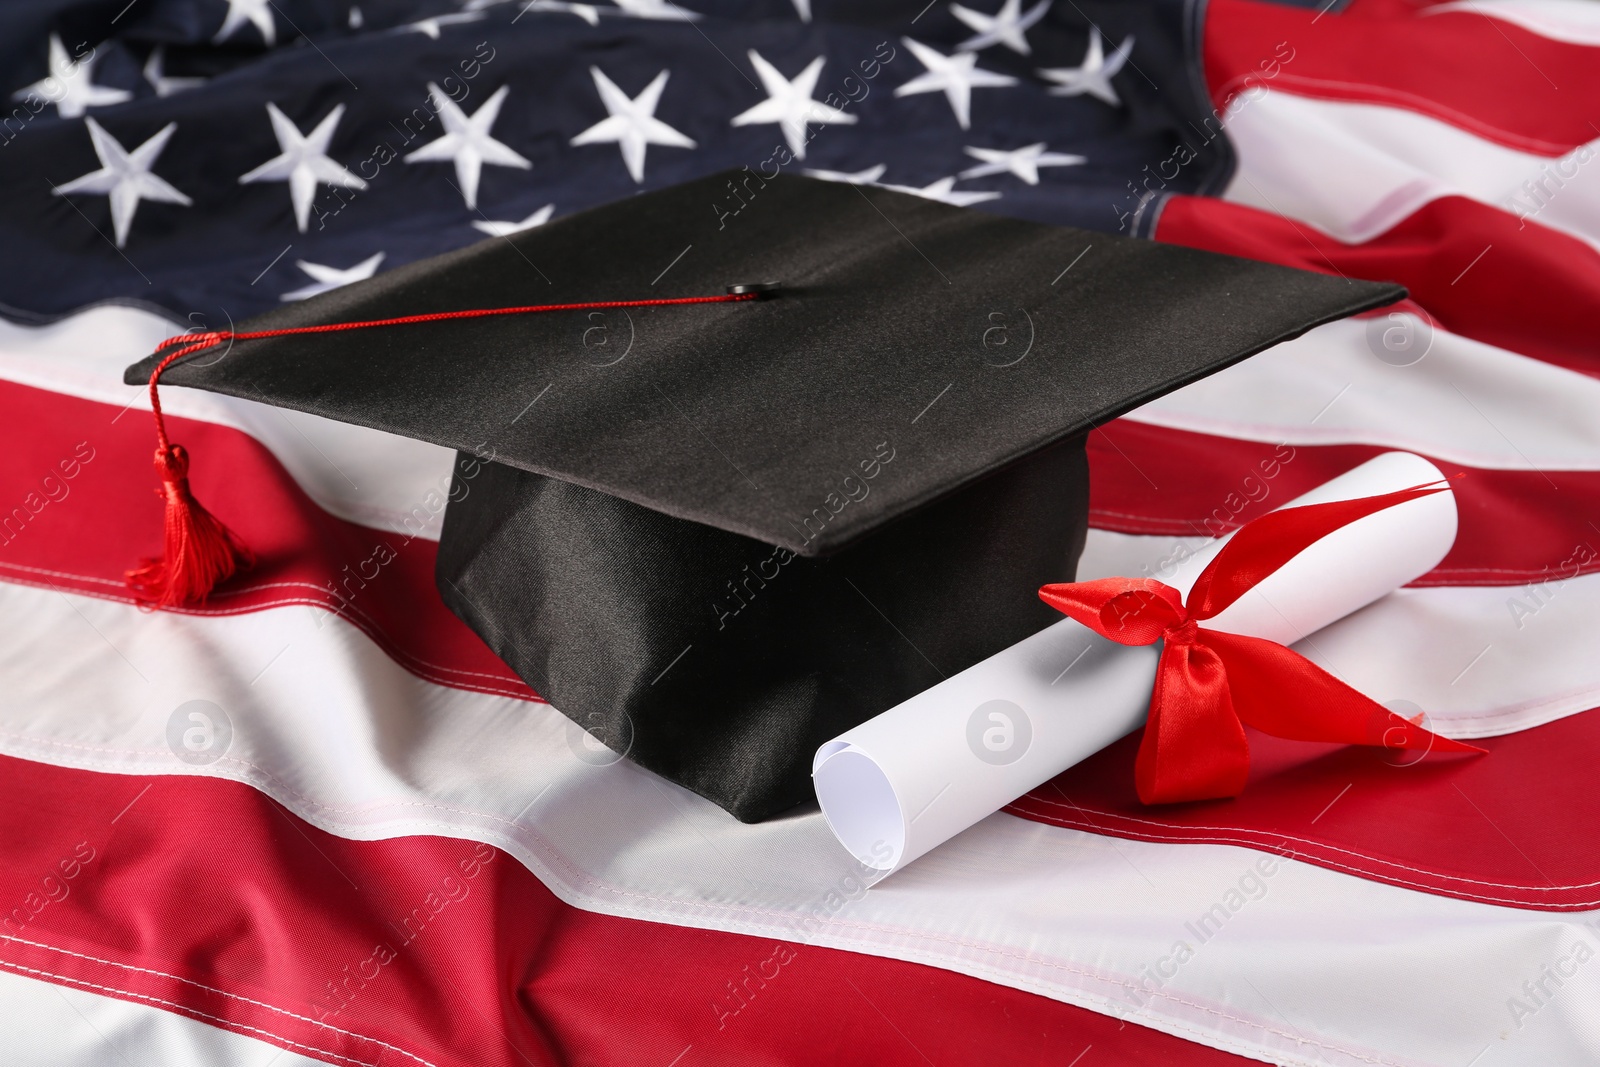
[{"x": 1210, "y": 684}]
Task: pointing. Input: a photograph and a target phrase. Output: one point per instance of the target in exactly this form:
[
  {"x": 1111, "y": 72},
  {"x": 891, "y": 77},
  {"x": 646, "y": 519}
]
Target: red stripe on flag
[
  {"x": 1530, "y": 289},
  {"x": 206, "y": 898},
  {"x": 1489, "y": 77},
  {"x": 1512, "y": 828},
  {"x": 1516, "y": 526},
  {"x": 108, "y": 516}
]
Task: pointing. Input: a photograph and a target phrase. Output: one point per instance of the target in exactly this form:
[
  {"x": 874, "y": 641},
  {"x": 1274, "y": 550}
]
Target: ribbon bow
[{"x": 1209, "y": 684}]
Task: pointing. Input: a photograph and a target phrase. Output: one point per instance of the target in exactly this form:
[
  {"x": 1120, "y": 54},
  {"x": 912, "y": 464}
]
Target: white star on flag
[
  {"x": 1023, "y": 162},
  {"x": 506, "y": 229},
  {"x": 326, "y": 278},
  {"x": 163, "y": 85},
  {"x": 869, "y": 176},
  {"x": 632, "y": 123},
  {"x": 656, "y": 9},
  {"x": 587, "y": 12},
  {"x": 467, "y": 142},
  {"x": 943, "y": 191},
  {"x": 124, "y": 177},
  {"x": 956, "y": 76},
  {"x": 666, "y": 10},
  {"x": 70, "y": 84},
  {"x": 803, "y": 9},
  {"x": 257, "y": 13},
  {"x": 789, "y": 103},
  {"x": 303, "y": 162},
  {"x": 1008, "y": 26},
  {"x": 430, "y": 26},
  {"x": 1094, "y": 76}
]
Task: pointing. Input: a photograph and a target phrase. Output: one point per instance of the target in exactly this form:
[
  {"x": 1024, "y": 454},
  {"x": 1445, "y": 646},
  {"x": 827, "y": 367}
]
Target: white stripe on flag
[
  {"x": 1573, "y": 21},
  {"x": 365, "y": 476},
  {"x": 1483, "y": 660},
  {"x": 45, "y": 1023},
  {"x": 1464, "y": 401},
  {"x": 1355, "y": 170}
]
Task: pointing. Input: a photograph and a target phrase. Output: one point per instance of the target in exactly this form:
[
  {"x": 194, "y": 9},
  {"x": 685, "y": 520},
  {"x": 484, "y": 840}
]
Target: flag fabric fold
[{"x": 375, "y": 845}]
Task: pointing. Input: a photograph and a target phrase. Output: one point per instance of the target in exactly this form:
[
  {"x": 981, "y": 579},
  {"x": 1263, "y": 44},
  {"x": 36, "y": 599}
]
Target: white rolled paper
[{"x": 915, "y": 776}]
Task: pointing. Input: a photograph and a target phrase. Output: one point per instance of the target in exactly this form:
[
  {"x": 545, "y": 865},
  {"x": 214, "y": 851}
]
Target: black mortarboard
[{"x": 718, "y": 536}]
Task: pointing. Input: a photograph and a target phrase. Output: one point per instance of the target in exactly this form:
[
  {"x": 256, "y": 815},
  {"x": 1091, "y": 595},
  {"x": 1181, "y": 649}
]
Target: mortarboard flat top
[
  {"x": 719, "y": 535},
  {"x": 893, "y": 309}
]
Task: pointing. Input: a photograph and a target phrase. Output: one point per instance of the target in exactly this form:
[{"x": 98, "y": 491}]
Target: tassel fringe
[{"x": 199, "y": 551}]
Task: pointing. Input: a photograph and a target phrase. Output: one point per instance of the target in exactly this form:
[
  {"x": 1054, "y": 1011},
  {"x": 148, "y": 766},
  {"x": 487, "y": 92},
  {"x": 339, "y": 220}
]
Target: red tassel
[{"x": 199, "y": 552}]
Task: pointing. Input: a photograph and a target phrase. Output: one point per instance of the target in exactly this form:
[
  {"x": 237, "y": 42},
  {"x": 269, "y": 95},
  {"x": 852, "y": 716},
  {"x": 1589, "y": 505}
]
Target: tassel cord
[{"x": 199, "y": 551}]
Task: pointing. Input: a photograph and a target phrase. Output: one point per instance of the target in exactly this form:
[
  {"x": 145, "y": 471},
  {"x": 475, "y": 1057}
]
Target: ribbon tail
[
  {"x": 1193, "y": 746},
  {"x": 1280, "y": 692},
  {"x": 1265, "y": 544}
]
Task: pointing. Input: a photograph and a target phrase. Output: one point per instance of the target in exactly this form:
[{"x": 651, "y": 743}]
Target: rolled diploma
[{"x": 915, "y": 776}]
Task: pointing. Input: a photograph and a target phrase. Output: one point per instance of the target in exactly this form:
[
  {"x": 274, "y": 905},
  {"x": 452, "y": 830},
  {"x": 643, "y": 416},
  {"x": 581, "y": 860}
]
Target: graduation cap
[{"x": 718, "y": 528}]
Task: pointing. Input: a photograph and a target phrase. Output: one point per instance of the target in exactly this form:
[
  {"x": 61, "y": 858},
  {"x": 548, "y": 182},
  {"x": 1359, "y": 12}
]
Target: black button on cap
[{"x": 761, "y": 289}]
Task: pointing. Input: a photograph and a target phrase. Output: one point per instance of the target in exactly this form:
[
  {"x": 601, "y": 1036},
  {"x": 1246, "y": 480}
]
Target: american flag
[{"x": 317, "y": 821}]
